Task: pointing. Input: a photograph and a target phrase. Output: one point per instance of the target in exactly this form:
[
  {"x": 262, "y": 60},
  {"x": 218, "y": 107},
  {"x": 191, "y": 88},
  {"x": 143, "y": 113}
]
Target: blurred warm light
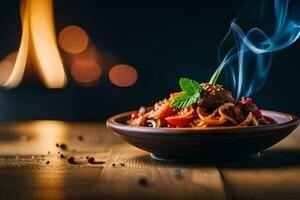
[
  {"x": 86, "y": 74},
  {"x": 47, "y": 133},
  {"x": 44, "y": 42},
  {"x": 85, "y": 67},
  {"x": 123, "y": 75},
  {"x": 6, "y": 66},
  {"x": 106, "y": 59},
  {"x": 38, "y": 136},
  {"x": 17, "y": 73},
  {"x": 73, "y": 39},
  {"x": 38, "y": 31}
]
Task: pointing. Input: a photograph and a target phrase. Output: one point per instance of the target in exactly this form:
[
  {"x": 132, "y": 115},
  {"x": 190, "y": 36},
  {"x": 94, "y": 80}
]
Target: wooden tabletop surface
[{"x": 31, "y": 167}]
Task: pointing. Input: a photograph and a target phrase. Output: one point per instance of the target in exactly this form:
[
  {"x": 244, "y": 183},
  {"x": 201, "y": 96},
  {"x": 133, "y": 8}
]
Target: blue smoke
[{"x": 247, "y": 55}]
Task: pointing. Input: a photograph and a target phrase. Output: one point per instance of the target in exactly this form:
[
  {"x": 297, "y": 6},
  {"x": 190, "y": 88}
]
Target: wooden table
[{"x": 125, "y": 172}]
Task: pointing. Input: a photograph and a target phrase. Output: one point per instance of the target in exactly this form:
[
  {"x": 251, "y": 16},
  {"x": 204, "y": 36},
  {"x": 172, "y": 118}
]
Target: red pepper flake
[
  {"x": 249, "y": 100},
  {"x": 91, "y": 160},
  {"x": 270, "y": 120},
  {"x": 246, "y": 100},
  {"x": 135, "y": 115},
  {"x": 71, "y": 159},
  {"x": 258, "y": 113}
]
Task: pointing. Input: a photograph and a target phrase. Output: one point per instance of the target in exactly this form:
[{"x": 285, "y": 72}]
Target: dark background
[{"x": 162, "y": 40}]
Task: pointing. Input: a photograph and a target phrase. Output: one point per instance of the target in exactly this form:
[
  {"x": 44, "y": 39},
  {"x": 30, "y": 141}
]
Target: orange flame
[{"x": 38, "y": 30}]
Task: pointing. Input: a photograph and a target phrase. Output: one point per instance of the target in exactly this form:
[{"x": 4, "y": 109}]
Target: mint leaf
[
  {"x": 185, "y": 100},
  {"x": 191, "y": 93},
  {"x": 189, "y": 86}
]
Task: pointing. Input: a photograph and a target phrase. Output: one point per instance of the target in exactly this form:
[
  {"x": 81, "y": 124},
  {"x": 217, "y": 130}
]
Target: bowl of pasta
[{"x": 202, "y": 122}]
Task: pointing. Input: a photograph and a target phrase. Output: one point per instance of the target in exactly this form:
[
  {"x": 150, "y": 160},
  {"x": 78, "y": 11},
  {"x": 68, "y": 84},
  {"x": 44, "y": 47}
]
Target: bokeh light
[
  {"x": 123, "y": 75},
  {"x": 6, "y": 66},
  {"x": 85, "y": 67},
  {"x": 86, "y": 73},
  {"x": 73, "y": 39}
]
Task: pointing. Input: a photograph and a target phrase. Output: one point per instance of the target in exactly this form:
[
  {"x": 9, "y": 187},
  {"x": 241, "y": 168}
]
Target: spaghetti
[{"x": 216, "y": 107}]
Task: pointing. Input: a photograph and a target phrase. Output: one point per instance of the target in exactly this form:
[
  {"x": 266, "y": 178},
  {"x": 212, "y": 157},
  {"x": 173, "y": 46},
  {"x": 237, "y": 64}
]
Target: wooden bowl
[{"x": 204, "y": 144}]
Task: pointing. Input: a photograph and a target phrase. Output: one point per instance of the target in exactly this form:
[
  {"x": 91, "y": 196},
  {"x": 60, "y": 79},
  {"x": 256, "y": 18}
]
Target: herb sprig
[
  {"x": 191, "y": 93},
  {"x": 191, "y": 90}
]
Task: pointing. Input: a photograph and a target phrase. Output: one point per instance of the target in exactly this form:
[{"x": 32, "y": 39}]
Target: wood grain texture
[
  {"x": 125, "y": 172},
  {"x": 194, "y": 183},
  {"x": 274, "y": 175}
]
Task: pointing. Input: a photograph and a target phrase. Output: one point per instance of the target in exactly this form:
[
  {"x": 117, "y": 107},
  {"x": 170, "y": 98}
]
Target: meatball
[{"x": 214, "y": 96}]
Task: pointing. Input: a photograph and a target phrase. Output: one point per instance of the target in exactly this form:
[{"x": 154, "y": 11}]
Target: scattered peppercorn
[
  {"x": 48, "y": 152},
  {"x": 91, "y": 160},
  {"x": 80, "y": 138},
  {"x": 122, "y": 164},
  {"x": 62, "y": 156},
  {"x": 63, "y": 146},
  {"x": 57, "y": 145},
  {"x": 47, "y": 162},
  {"x": 113, "y": 164},
  {"x": 87, "y": 157},
  {"x": 71, "y": 159},
  {"x": 143, "y": 182}
]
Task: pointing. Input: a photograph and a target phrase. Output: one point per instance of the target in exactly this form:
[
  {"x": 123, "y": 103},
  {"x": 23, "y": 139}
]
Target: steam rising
[{"x": 248, "y": 54}]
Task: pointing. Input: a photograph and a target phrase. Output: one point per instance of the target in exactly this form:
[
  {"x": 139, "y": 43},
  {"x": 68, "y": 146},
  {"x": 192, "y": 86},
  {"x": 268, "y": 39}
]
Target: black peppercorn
[
  {"x": 63, "y": 146},
  {"x": 143, "y": 182}
]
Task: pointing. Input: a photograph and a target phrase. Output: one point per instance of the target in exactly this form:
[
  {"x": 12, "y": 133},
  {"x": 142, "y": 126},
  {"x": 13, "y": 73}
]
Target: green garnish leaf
[
  {"x": 184, "y": 100},
  {"x": 189, "y": 86},
  {"x": 192, "y": 90}
]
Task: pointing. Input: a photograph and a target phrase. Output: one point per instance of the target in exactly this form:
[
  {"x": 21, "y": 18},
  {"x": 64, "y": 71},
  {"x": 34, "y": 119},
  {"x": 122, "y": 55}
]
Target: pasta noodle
[{"x": 215, "y": 108}]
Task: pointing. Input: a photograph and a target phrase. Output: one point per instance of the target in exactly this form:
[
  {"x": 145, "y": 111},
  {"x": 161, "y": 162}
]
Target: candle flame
[{"x": 39, "y": 41}]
